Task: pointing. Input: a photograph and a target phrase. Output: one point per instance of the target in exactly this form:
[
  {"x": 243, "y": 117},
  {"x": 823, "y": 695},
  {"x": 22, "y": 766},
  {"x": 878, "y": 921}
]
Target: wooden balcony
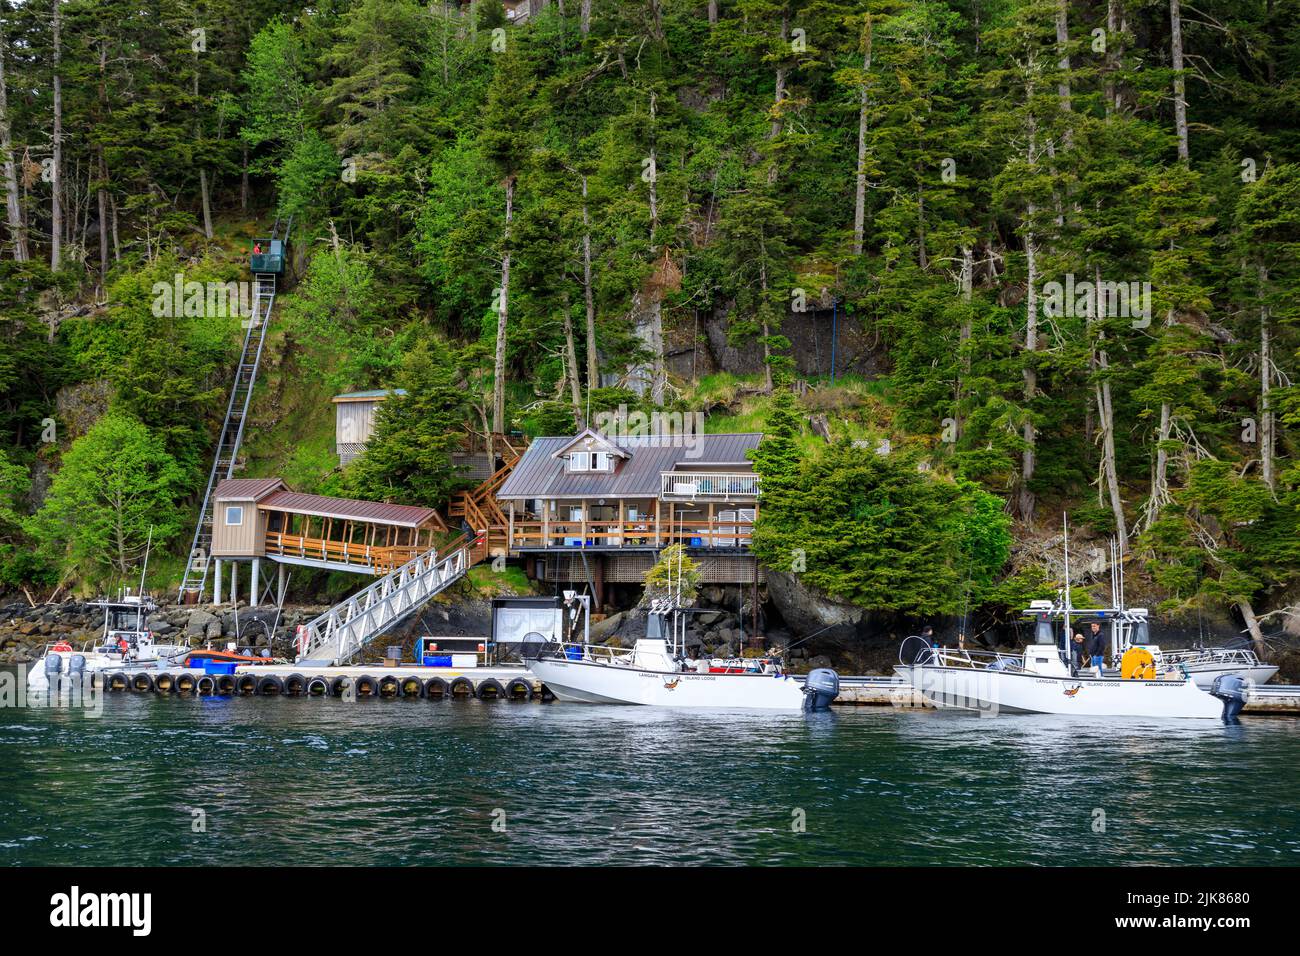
[
  {"x": 642, "y": 533},
  {"x": 707, "y": 486},
  {"x": 338, "y": 555}
]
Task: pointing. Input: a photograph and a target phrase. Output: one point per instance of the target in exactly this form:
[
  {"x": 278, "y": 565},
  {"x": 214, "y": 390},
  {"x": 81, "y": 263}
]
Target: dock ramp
[{"x": 337, "y": 635}]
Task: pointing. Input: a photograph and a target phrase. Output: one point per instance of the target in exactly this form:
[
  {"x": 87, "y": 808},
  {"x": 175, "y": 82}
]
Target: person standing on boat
[
  {"x": 1081, "y": 655},
  {"x": 1097, "y": 646}
]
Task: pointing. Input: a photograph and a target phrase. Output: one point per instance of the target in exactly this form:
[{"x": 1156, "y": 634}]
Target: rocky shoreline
[{"x": 26, "y": 630}]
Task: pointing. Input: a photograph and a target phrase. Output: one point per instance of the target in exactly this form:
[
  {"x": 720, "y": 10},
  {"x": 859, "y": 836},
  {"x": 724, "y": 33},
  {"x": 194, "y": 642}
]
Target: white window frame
[
  {"x": 229, "y": 509},
  {"x": 579, "y": 461}
]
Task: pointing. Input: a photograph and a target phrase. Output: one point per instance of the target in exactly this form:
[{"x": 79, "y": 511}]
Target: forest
[{"x": 1069, "y": 231}]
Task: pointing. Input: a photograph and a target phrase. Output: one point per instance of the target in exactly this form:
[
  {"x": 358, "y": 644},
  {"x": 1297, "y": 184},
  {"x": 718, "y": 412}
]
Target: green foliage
[
  {"x": 874, "y": 530},
  {"x": 116, "y": 483},
  {"x": 409, "y": 457},
  {"x": 675, "y": 576}
]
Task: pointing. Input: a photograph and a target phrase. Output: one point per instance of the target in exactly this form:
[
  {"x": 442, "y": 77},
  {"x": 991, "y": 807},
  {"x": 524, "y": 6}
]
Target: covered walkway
[{"x": 258, "y": 518}]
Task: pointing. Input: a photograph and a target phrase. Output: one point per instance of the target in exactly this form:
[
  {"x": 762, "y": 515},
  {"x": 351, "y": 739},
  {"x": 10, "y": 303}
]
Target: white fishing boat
[
  {"x": 1046, "y": 678},
  {"x": 655, "y": 672},
  {"x": 125, "y": 644},
  {"x": 1040, "y": 681}
]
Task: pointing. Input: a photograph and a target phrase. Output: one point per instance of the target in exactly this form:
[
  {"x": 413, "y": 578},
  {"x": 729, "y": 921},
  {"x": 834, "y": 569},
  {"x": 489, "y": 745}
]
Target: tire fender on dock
[
  {"x": 435, "y": 688},
  {"x": 226, "y": 685},
  {"x": 461, "y": 688},
  {"x": 389, "y": 686},
  {"x": 246, "y": 684},
  {"x": 141, "y": 683},
  {"x": 295, "y": 685},
  {"x": 519, "y": 689},
  {"x": 411, "y": 687},
  {"x": 366, "y": 686},
  {"x": 185, "y": 684},
  {"x": 490, "y": 689},
  {"x": 116, "y": 681},
  {"x": 206, "y": 686},
  {"x": 318, "y": 687},
  {"x": 164, "y": 683},
  {"x": 342, "y": 686},
  {"x": 270, "y": 686}
]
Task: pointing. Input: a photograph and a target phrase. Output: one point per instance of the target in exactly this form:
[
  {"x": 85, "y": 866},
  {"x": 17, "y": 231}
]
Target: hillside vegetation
[{"x": 1066, "y": 230}]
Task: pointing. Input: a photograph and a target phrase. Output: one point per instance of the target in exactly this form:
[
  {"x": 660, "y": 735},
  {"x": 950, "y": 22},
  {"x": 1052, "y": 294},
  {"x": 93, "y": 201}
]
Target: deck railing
[
  {"x": 706, "y": 486},
  {"x": 696, "y": 533},
  {"x": 379, "y": 560}
]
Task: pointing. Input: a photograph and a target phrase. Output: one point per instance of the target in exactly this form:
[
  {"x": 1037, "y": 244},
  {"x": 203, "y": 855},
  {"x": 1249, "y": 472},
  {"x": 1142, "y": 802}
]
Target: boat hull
[
  {"x": 594, "y": 683},
  {"x": 994, "y": 692}
]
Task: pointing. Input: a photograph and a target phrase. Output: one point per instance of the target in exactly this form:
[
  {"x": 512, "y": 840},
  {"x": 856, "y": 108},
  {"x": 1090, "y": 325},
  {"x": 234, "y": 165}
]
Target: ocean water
[{"x": 188, "y": 781}]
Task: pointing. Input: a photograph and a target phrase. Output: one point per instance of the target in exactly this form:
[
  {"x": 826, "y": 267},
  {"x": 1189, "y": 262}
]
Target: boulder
[
  {"x": 603, "y": 630},
  {"x": 806, "y": 610},
  {"x": 197, "y": 626}
]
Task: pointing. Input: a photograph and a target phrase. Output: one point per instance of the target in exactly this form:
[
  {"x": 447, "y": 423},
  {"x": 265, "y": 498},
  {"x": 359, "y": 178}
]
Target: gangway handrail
[{"x": 347, "y": 627}]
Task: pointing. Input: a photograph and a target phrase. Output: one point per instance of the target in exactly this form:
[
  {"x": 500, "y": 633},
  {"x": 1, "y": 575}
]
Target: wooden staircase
[{"x": 478, "y": 506}]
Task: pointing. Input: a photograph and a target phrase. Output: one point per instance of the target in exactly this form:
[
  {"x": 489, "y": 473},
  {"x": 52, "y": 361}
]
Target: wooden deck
[{"x": 650, "y": 533}]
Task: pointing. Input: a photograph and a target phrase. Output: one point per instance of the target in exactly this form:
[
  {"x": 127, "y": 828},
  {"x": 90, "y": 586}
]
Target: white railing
[
  {"x": 344, "y": 629},
  {"x": 705, "y": 486}
]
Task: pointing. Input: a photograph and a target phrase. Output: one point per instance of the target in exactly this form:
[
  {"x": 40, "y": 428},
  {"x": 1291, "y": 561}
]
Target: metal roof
[
  {"x": 539, "y": 474},
  {"x": 372, "y": 512},
  {"x": 246, "y": 489},
  {"x": 374, "y": 395}
]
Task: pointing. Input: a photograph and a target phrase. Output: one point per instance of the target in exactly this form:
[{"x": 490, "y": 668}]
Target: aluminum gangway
[
  {"x": 232, "y": 427},
  {"x": 338, "y": 634}
]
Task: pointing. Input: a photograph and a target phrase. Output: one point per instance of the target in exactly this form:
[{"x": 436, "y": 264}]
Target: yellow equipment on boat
[{"x": 1137, "y": 664}]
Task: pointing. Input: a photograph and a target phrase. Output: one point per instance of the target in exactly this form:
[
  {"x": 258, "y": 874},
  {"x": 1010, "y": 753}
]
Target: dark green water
[{"x": 406, "y": 782}]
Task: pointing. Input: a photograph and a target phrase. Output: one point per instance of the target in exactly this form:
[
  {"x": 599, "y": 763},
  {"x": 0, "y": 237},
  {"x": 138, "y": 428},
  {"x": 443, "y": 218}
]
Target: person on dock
[{"x": 1097, "y": 646}]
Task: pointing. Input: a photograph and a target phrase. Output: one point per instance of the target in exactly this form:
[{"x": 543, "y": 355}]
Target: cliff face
[{"x": 817, "y": 337}]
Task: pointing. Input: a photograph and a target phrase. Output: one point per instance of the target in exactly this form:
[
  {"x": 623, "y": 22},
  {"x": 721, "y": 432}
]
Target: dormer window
[{"x": 587, "y": 461}]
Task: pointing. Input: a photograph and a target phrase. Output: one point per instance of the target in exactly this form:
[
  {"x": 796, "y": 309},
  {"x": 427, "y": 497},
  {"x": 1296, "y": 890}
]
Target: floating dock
[{"x": 349, "y": 682}]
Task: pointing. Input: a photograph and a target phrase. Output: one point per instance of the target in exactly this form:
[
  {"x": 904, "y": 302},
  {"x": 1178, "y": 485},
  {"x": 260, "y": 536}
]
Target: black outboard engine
[
  {"x": 1232, "y": 690},
  {"x": 823, "y": 686}
]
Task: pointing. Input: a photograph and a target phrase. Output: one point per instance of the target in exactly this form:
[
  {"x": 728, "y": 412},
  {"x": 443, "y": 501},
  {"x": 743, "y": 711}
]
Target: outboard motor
[
  {"x": 77, "y": 669},
  {"x": 823, "y": 686},
  {"x": 1232, "y": 690},
  {"x": 53, "y": 668}
]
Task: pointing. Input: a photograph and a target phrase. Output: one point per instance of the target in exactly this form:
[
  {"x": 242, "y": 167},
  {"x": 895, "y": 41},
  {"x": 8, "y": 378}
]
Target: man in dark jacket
[{"x": 1097, "y": 646}]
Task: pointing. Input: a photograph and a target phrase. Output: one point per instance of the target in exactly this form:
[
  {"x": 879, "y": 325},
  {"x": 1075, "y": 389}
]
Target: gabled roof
[
  {"x": 246, "y": 489},
  {"x": 589, "y": 436},
  {"x": 541, "y": 474},
  {"x": 373, "y": 512}
]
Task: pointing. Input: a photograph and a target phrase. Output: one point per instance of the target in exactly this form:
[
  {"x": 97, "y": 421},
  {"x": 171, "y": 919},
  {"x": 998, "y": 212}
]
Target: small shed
[
  {"x": 238, "y": 525},
  {"x": 354, "y": 420}
]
